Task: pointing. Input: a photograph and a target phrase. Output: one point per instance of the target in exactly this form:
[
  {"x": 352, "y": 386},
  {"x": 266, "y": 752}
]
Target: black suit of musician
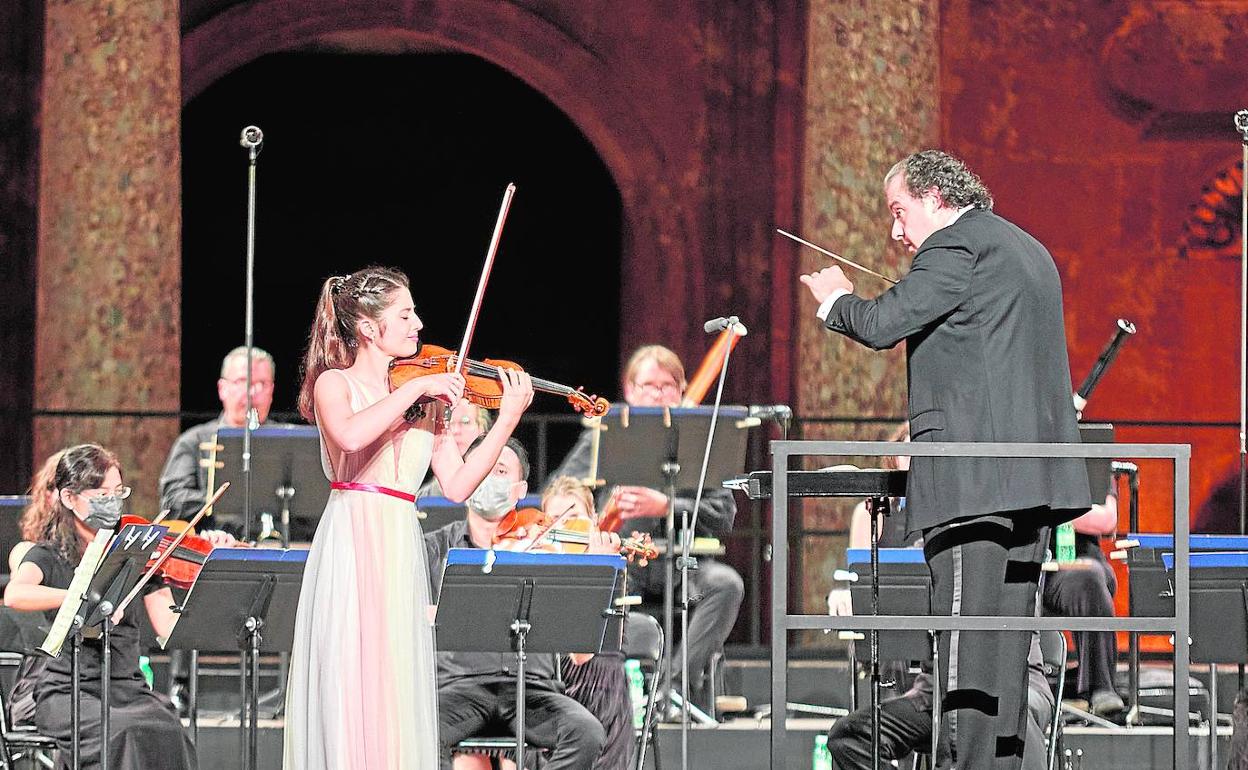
[{"x": 981, "y": 314}]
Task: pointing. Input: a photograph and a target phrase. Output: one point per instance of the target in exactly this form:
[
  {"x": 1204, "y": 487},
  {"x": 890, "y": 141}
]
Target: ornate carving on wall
[
  {"x": 1212, "y": 229},
  {"x": 1179, "y": 66}
]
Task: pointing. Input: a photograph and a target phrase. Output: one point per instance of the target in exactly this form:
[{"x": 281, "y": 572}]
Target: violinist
[
  {"x": 361, "y": 692},
  {"x": 87, "y": 494},
  {"x": 477, "y": 690},
  {"x": 654, "y": 376}
]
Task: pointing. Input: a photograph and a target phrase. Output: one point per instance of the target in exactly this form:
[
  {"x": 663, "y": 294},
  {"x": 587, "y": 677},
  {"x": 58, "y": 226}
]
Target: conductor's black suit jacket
[{"x": 981, "y": 314}]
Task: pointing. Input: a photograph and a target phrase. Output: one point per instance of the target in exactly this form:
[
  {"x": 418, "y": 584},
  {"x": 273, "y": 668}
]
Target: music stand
[
  {"x": 503, "y": 601},
  {"x": 244, "y": 599},
  {"x": 285, "y": 469},
  {"x": 661, "y": 448},
  {"x": 116, "y": 574}
]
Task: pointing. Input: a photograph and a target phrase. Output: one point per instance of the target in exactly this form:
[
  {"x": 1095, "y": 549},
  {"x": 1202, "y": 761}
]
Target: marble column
[{"x": 109, "y": 273}]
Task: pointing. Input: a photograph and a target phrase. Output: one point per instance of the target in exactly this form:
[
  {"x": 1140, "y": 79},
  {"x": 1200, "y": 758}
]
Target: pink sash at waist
[{"x": 355, "y": 487}]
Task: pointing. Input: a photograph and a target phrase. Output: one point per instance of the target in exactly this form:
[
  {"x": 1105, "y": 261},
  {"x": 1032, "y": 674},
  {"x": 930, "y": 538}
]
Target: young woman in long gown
[{"x": 362, "y": 691}]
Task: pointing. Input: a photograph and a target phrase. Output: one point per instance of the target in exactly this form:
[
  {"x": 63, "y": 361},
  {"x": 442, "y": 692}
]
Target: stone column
[
  {"x": 109, "y": 274},
  {"x": 872, "y": 97}
]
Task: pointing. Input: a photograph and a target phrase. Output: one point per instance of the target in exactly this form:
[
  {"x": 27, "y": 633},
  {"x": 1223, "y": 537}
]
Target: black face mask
[{"x": 103, "y": 512}]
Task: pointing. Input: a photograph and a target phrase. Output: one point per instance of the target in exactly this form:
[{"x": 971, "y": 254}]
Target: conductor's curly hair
[{"x": 956, "y": 184}]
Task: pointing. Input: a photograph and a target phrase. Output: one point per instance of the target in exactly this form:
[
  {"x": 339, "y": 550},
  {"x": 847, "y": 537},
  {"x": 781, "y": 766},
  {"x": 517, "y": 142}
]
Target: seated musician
[
  {"x": 184, "y": 480},
  {"x": 476, "y": 690},
  {"x": 906, "y": 720},
  {"x": 144, "y": 731},
  {"x": 654, "y": 376},
  {"x": 1086, "y": 589},
  {"x": 468, "y": 423}
]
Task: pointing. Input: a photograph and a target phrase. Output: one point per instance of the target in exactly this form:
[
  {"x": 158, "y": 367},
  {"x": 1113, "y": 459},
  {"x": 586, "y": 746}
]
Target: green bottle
[
  {"x": 1066, "y": 542},
  {"x": 821, "y": 758},
  {"x": 145, "y": 665},
  {"x": 636, "y": 691}
]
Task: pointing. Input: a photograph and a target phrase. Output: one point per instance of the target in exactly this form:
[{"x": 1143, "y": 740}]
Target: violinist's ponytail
[
  {"x": 345, "y": 299},
  {"x": 327, "y": 349}
]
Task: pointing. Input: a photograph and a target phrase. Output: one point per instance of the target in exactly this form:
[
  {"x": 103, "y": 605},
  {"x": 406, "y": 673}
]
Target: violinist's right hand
[{"x": 447, "y": 387}]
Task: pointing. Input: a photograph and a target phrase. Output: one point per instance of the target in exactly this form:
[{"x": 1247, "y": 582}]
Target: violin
[
  {"x": 532, "y": 530},
  {"x": 482, "y": 384},
  {"x": 189, "y": 553}
]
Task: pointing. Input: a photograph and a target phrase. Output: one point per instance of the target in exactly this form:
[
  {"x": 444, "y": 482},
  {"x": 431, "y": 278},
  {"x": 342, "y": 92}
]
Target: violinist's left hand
[
  {"x": 642, "y": 502},
  {"x": 517, "y": 393},
  {"x": 603, "y": 542},
  {"x": 218, "y": 538}
]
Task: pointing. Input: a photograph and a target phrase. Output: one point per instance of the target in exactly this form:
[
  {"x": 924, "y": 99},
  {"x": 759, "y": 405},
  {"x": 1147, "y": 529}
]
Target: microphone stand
[
  {"x": 252, "y": 139},
  {"x": 687, "y": 562}
]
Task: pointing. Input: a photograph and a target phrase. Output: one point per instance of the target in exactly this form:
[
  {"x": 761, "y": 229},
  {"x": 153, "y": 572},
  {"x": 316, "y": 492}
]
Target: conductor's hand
[
  {"x": 642, "y": 502},
  {"x": 826, "y": 281},
  {"x": 517, "y": 393}
]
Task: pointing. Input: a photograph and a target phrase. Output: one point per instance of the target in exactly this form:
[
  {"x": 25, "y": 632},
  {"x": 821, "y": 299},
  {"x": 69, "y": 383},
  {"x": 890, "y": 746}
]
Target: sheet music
[{"x": 83, "y": 573}]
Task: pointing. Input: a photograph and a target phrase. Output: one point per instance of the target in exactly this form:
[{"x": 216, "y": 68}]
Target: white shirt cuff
[{"x": 826, "y": 307}]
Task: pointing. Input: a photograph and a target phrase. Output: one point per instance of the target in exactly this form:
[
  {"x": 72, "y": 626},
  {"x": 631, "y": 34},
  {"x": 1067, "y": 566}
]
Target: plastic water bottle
[
  {"x": 1065, "y": 542},
  {"x": 145, "y": 665},
  {"x": 821, "y": 758},
  {"x": 636, "y": 691}
]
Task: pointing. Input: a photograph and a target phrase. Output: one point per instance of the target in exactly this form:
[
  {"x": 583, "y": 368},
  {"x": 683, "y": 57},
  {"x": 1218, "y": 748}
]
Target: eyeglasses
[
  {"x": 241, "y": 382},
  {"x": 121, "y": 493},
  {"x": 658, "y": 389}
]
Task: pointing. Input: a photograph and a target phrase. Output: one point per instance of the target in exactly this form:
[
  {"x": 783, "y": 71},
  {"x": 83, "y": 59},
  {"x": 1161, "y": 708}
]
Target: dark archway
[{"x": 401, "y": 160}]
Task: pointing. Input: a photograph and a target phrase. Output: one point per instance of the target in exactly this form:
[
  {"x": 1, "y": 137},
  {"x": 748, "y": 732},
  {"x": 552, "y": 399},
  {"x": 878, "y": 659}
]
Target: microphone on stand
[
  {"x": 771, "y": 412},
  {"x": 1121, "y": 466},
  {"x": 716, "y": 325},
  {"x": 251, "y": 138}
]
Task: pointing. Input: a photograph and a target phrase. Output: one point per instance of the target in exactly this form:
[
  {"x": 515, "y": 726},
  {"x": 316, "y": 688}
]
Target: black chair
[
  {"x": 21, "y": 743},
  {"x": 643, "y": 642}
]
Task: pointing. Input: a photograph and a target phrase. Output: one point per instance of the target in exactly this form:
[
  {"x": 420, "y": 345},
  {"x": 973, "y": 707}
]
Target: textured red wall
[{"x": 1096, "y": 126}]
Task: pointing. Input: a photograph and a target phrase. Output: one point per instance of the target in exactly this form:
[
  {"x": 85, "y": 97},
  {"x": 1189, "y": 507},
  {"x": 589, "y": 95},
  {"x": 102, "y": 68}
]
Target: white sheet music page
[{"x": 83, "y": 573}]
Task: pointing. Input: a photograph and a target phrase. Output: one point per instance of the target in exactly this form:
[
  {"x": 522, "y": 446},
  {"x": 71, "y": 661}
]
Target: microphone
[
  {"x": 716, "y": 325},
  {"x": 1241, "y": 123},
  {"x": 251, "y": 138},
  {"x": 1121, "y": 466},
  {"x": 771, "y": 412}
]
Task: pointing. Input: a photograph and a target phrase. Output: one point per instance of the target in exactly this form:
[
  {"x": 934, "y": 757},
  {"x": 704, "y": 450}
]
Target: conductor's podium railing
[{"x": 782, "y": 622}]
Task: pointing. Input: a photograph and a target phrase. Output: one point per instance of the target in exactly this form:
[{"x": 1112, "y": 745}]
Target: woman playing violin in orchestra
[
  {"x": 362, "y": 691},
  {"x": 72, "y": 498}
]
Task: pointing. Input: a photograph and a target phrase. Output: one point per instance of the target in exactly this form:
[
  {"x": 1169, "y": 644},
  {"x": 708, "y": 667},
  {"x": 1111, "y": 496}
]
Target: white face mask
[{"x": 492, "y": 500}]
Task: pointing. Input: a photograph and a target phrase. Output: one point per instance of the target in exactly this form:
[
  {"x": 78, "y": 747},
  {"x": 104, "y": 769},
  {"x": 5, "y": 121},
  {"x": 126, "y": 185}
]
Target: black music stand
[
  {"x": 502, "y": 601},
  {"x": 662, "y": 448},
  {"x": 286, "y": 472},
  {"x": 115, "y": 576},
  {"x": 244, "y": 599},
  {"x": 906, "y": 584}
]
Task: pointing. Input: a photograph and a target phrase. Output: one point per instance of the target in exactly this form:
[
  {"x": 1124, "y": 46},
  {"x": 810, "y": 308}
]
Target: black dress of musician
[{"x": 144, "y": 730}]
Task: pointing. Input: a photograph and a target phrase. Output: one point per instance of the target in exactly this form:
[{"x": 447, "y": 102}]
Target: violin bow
[
  {"x": 837, "y": 257},
  {"x": 475, "y": 313},
  {"x": 164, "y": 556}
]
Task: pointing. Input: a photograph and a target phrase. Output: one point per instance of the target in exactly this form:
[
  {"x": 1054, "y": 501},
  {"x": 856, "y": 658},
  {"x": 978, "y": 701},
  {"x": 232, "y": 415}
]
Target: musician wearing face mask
[
  {"x": 654, "y": 376},
  {"x": 477, "y": 690},
  {"x": 87, "y": 494}
]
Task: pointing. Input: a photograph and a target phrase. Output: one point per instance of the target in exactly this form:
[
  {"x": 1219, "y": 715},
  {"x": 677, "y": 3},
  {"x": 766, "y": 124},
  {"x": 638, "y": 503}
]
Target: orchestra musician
[
  {"x": 184, "y": 480},
  {"x": 980, "y": 311},
  {"x": 477, "y": 690},
  {"x": 468, "y": 422},
  {"x": 654, "y": 376},
  {"x": 361, "y": 690},
  {"x": 87, "y": 494}
]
